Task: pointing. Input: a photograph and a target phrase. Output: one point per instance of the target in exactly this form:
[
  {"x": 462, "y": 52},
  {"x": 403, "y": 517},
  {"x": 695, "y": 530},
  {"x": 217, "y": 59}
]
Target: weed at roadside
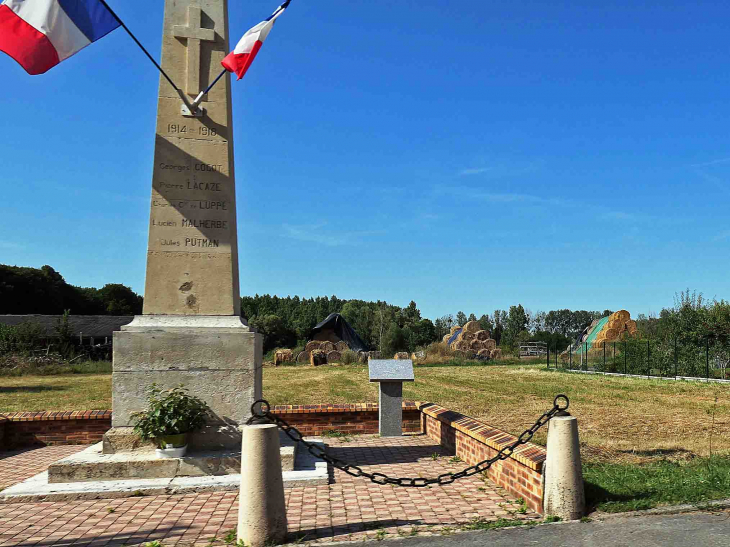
[{"x": 334, "y": 434}]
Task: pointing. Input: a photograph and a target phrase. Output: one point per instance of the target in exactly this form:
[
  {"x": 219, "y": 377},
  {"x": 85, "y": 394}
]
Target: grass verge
[{"x": 615, "y": 488}]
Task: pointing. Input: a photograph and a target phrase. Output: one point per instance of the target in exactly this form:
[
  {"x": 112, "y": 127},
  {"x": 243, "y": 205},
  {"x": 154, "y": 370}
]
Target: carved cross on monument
[{"x": 194, "y": 33}]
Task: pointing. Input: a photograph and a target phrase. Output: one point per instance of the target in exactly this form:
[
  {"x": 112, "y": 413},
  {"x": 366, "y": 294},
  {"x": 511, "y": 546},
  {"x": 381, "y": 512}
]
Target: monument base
[
  {"x": 217, "y": 358},
  {"x": 94, "y": 464}
]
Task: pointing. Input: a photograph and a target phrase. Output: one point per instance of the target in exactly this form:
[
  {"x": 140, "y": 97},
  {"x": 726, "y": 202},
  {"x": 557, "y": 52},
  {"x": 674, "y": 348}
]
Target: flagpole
[
  {"x": 202, "y": 94},
  {"x": 182, "y": 95}
]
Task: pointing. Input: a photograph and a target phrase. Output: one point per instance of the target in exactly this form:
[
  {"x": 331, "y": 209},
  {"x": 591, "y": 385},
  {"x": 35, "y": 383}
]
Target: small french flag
[
  {"x": 39, "y": 34},
  {"x": 245, "y": 52}
]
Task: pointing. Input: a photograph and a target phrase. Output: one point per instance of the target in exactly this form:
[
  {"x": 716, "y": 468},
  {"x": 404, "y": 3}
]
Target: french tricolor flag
[
  {"x": 245, "y": 52},
  {"x": 39, "y": 34}
]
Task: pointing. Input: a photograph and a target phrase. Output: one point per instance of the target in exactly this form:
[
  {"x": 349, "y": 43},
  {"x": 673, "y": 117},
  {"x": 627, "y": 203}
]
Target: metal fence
[{"x": 708, "y": 359}]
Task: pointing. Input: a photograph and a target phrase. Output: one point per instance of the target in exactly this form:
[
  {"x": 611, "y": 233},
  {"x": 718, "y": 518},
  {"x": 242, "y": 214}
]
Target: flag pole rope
[{"x": 142, "y": 48}]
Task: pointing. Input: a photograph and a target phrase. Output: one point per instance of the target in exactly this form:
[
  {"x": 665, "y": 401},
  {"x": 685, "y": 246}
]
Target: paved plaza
[{"x": 348, "y": 509}]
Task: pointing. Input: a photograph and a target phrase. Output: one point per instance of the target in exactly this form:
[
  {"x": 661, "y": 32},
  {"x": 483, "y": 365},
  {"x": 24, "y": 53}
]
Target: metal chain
[{"x": 418, "y": 482}]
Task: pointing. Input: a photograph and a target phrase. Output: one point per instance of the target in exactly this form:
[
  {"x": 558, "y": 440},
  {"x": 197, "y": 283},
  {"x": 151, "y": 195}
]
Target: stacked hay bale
[
  {"x": 619, "y": 324},
  {"x": 364, "y": 356},
  {"x": 401, "y": 355},
  {"x": 332, "y": 352},
  {"x": 471, "y": 340},
  {"x": 282, "y": 356}
]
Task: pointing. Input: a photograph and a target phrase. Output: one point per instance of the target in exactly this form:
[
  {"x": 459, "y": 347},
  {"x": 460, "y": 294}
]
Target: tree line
[
  {"x": 44, "y": 291},
  {"x": 287, "y": 321}
]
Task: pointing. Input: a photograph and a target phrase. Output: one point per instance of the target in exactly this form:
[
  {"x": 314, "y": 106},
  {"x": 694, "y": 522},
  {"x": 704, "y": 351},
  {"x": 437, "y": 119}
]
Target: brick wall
[
  {"x": 474, "y": 441},
  {"x": 53, "y": 428},
  {"x": 357, "y": 419}
]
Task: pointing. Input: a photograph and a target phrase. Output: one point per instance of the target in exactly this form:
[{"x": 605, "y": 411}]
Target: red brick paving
[
  {"x": 18, "y": 465},
  {"x": 349, "y": 509}
]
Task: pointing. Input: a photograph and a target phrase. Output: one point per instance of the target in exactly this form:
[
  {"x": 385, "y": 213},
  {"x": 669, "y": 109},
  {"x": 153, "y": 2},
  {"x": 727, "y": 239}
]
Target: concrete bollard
[
  {"x": 261, "y": 505},
  {"x": 564, "y": 494}
]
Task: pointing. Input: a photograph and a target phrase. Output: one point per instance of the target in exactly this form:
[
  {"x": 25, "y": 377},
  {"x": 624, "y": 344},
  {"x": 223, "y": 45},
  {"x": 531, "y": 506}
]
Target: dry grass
[
  {"x": 621, "y": 419},
  {"x": 64, "y": 392}
]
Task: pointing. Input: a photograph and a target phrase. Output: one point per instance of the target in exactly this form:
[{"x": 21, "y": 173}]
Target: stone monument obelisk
[{"x": 191, "y": 332}]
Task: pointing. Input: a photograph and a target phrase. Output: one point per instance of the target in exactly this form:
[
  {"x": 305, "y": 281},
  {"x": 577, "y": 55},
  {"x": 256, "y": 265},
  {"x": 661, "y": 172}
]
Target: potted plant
[{"x": 172, "y": 414}]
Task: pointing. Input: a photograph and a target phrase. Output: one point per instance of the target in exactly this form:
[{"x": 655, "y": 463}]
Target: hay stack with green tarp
[{"x": 616, "y": 326}]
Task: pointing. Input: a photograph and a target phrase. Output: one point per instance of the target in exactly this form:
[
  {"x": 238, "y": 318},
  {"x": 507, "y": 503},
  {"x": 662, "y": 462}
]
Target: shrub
[
  {"x": 348, "y": 357},
  {"x": 171, "y": 412}
]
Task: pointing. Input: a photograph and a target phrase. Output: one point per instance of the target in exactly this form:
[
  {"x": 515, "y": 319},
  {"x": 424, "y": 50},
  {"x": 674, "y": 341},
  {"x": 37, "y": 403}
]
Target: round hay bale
[
  {"x": 402, "y": 355},
  {"x": 614, "y": 324},
  {"x": 312, "y": 345},
  {"x": 327, "y": 347},
  {"x": 362, "y": 356},
  {"x": 475, "y": 345},
  {"x": 373, "y": 355},
  {"x": 334, "y": 356},
  {"x": 460, "y": 345},
  {"x": 341, "y": 346},
  {"x": 466, "y": 336},
  {"x": 484, "y": 353},
  {"x": 472, "y": 326},
  {"x": 495, "y": 354},
  {"x": 623, "y": 315},
  {"x": 611, "y": 334},
  {"x": 303, "y": 357},
  {"x": 454, "y": 329},
  {"x": 445, "y": 339},
  {"x": 489, "y": 343},
  {"x": 482, "y": 335}
]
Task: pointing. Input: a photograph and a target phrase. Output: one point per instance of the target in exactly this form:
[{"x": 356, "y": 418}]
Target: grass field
[
  {"x": 644, "y": 442},
  {"x": 621, "y": 419}
]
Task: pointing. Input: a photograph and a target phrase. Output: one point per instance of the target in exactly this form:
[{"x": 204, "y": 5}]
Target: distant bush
[
  {"x": 348, "y": 357},
  {"x": 21, "y": 339}
]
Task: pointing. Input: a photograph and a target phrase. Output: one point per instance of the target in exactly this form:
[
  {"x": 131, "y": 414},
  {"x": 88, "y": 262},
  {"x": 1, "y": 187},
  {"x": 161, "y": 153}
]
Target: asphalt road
[{"x": 684, "y": 530}]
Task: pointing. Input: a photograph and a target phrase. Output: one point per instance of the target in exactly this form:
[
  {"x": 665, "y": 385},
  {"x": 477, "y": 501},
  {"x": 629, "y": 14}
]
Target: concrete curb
[{"x": 698, "y": 507}]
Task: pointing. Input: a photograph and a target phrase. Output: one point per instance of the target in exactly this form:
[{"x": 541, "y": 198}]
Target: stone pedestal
[
  {"x": 217, "y": 358},
  {"x": 390, "y": 409},
  {"x": 390, "y": 373}
]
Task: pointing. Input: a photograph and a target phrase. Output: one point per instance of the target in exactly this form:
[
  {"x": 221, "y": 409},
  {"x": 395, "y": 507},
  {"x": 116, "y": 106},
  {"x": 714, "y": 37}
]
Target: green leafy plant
[{"x": 171, "y": 412}]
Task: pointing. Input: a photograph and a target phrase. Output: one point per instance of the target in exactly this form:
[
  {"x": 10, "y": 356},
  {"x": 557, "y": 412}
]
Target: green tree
[
  {"x": 515, "y": 326},
  {"x": 119, "y": 299},
  {"x": 394, "y": 340},
  {"x": 276, "y": 333},
  {"x": 486, "y": 323},
  {"x": 461, "y": 318}
]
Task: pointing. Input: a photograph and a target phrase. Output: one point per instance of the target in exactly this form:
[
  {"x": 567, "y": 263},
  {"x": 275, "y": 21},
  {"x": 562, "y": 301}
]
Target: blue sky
[{"x": 467, "y": 156}]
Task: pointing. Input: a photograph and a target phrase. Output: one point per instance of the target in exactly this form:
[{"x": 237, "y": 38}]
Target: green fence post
[{"x": 604, "y": 356}]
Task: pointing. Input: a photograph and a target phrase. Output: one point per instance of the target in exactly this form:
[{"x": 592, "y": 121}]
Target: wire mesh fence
[{"x": 708, "y": 358}]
